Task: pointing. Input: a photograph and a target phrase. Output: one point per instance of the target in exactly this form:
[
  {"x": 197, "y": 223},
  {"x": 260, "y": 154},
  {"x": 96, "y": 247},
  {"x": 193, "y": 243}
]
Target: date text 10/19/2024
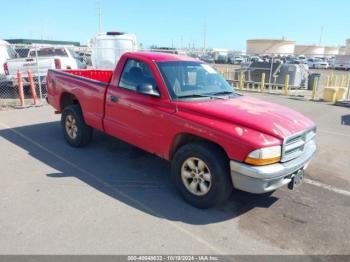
[{"x": 173, "y": 258}]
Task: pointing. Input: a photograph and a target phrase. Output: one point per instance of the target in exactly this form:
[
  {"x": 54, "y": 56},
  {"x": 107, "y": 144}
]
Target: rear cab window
[{"x": 46, "y": 52}]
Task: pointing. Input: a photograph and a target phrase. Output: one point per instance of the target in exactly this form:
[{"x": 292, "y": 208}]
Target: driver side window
[{"x": 136, "y": 73}]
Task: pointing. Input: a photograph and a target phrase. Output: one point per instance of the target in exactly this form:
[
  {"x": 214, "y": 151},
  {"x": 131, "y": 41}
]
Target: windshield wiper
[{"x": 201, "y": 95}]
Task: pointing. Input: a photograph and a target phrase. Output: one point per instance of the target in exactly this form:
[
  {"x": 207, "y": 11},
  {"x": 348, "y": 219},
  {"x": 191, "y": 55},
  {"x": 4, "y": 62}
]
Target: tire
[
  {"x": 78, "y": 134},
  {"x": 216, "y": 164}
]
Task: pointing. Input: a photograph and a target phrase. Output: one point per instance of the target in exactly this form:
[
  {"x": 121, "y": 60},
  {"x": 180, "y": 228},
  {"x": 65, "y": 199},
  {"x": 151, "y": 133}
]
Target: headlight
[{"x": 264, "y": 156}]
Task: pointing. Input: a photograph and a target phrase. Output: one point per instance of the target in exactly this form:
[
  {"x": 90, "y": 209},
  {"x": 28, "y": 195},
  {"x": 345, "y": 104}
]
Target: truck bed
[
  {"x": 87, "y": 86},
  {"x": 97, "y": 75}
]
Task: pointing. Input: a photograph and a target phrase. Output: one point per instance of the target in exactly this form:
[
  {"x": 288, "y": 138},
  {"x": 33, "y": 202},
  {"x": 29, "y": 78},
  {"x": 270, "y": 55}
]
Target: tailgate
[{"x": 38, "y": 66}]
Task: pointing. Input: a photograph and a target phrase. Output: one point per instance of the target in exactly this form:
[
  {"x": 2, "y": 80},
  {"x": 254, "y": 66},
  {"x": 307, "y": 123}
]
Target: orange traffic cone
[
  {"x": 32, "y": 87},
  {"x": 20, "y": 88}
]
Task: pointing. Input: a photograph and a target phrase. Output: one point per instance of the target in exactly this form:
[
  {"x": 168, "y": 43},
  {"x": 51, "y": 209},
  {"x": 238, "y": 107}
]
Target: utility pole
[
  {"x": 321, "y": 36},
  {"x": 99, "y": 13},
  {"x": 204, "y": 36}
]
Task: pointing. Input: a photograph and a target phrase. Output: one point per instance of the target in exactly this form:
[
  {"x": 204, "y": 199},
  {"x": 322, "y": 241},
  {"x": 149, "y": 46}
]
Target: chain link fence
[
  {"x": 287, "y": 78},
  {"x": 23, "y": 71},
  {"x": 285, "y": 75}
]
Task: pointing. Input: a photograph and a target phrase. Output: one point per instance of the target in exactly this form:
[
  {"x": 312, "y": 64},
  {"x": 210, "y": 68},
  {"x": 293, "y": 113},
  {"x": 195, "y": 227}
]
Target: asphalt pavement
[{"x": 112, "y": 198}]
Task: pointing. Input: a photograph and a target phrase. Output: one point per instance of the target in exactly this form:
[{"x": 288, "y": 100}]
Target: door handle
[{"x": 114, "y": 99}]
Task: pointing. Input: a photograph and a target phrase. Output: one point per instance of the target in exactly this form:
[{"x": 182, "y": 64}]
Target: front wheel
[
  {"x": 75, "y": 131},
  {"x": 201, "y": 174}
]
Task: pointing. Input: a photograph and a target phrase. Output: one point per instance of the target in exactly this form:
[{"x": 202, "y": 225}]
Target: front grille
[{"x": 294, "y": 145}]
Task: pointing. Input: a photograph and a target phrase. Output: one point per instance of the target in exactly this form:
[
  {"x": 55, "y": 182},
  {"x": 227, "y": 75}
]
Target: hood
[{"x": 245, "y": 111}]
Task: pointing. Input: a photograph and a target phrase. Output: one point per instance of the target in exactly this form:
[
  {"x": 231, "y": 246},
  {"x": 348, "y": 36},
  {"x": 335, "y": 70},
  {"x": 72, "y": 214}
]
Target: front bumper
[{"x": 262, "y": 179}]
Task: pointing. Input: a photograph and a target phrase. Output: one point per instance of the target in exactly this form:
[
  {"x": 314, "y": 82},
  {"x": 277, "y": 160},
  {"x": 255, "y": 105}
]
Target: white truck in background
[
  {"x": 107, "y": 48},
  {"x": 39, "y": 61},
  {"x": 6, "y": 52},
  {"x": 342, "y": 62}
]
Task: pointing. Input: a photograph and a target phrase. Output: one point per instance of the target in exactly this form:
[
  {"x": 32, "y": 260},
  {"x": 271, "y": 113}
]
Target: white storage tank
[
  {"x": 107, "y": 48},
  {"x": 330, "y": 51},
  {"x": 347, "y": 48},
  {"x": 342, "y": 50},
  {"x": 309, "y": 50},
  {"x": 270, "y": 46}
]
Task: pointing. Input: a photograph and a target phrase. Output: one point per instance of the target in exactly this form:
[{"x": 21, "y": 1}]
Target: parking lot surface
[{"x": 112, "y": 198}]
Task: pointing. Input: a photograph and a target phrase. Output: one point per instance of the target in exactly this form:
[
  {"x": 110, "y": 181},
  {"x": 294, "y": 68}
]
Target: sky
[{"x": 180, "y": 23}]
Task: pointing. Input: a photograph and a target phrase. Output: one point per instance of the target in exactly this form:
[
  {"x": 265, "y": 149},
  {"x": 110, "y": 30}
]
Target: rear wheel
[
  {"x": 75, "y": 131},
  {"x": 201, "y": 174}
]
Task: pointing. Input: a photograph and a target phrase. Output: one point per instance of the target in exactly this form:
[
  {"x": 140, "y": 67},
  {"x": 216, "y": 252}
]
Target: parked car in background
[
  {"x": 81, "y": 61},
  {"x": 86, "y": 57},
  {"x": 207, "y": 58},
  {"x": 236, "y": 60},
  {"x": 342, "y": 62},
  {"x": 40, "y": 60},
  {"x": 317, "y": 63},
  {"x": 254, "y": 58},
  {"x": 302, "y": 63},
  {"x": 221, "y": 59},
  {"x": 302, "y": 58},
  {"x": 182, "y": 110},
  {"x": 331, "y": 62}
]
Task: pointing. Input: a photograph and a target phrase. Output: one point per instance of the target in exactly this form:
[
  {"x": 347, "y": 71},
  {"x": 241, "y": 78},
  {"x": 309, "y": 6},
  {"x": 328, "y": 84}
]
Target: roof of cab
[{"x": 162, "y": 57}]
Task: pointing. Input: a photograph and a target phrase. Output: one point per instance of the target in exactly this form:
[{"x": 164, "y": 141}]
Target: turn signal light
[
  {"x": 262, "y": 162},
  {"x": 264, "y": 156}
]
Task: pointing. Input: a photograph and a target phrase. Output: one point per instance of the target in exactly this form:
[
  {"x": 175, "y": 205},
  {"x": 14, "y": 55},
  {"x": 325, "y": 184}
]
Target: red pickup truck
[{"x": 182, "y": 110}]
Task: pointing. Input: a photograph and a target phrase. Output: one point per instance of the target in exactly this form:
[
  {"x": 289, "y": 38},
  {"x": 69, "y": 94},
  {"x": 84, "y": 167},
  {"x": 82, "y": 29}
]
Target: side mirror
[{"x": 147, "y": 89}]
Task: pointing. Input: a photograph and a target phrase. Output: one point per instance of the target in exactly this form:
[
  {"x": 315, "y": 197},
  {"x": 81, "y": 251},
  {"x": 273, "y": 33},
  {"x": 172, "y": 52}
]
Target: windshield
[
  {"x": 11, "y": 52},
  {"x": 192, "y": 79}
]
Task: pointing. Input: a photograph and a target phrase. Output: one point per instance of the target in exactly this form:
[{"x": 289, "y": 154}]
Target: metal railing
[{"x": 311, "y": 87}]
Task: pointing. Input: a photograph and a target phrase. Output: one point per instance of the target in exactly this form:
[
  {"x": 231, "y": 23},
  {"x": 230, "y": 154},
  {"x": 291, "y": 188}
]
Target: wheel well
[
  {"x": 185, "y": 138},
  {"x": 68, "y": 99}
]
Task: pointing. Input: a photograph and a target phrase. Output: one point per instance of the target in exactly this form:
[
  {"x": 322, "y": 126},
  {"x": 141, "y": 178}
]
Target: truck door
[{"x": 139, "y": 119}]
